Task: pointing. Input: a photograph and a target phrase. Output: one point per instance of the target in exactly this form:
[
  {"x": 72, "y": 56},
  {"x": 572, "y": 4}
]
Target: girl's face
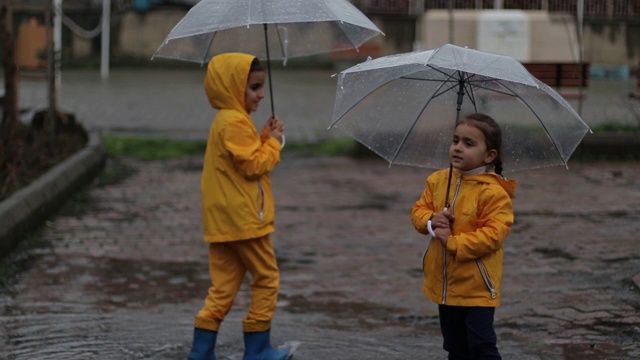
[
  {"x": 468, "y": 149},
  {"x": 254, "y": 91}
]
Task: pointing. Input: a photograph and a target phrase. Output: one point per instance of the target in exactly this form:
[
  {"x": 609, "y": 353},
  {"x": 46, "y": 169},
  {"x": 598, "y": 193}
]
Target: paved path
[{"x": 121, "y": 271}]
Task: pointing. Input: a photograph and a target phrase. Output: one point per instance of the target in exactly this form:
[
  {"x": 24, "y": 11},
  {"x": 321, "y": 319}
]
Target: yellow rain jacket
[
  {"x": 237, "y": 203},
  {"x": 469, "y": 271}
]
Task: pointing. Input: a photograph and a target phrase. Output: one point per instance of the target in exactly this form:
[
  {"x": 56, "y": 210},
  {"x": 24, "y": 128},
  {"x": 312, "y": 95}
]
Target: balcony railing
[
  {"x": 593, "y": 9},
  {"x": 390, "y": 7}
]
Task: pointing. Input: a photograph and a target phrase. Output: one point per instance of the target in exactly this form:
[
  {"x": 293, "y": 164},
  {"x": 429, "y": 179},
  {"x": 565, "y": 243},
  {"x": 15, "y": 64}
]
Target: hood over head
[{"x": 226, "y": 80}]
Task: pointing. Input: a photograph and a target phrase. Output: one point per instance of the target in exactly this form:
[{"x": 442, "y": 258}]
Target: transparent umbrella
[
  {"x": 268, "y": 29},
  {"x": 404, "y": 107}
]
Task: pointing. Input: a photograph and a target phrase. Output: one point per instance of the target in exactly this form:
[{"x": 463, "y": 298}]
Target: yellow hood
[{"x": 226, "y": 80}]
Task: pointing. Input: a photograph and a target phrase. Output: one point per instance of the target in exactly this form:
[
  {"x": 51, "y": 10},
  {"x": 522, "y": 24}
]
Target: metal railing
[
  {"x": 594, "y": 9},
  {"x": 390, "y": 7}
]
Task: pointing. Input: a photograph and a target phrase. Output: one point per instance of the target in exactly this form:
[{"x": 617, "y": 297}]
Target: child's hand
[
  {"x": 442, "y": 234},
  {"x": 441, "y": 225},
  {"x": 275, "y": 124},
  {"x": 442, "y": 219},
  {"x": 275, "y": 127}
]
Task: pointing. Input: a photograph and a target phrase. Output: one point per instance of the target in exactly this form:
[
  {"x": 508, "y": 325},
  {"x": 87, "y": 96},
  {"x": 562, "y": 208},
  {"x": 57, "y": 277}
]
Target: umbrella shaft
[
  {"x": 266, "y": 44},
  {"x": 460, "y": 92}
]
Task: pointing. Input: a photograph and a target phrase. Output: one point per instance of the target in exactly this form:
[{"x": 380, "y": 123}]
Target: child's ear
[{"x": 491, "y": 155}]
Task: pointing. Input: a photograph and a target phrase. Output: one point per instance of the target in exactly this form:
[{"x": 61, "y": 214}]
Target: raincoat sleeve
[
  {"x": 423, "y": 210},
  {"x": 493, "y": 223},
  {"x": 252, "y": 155}
]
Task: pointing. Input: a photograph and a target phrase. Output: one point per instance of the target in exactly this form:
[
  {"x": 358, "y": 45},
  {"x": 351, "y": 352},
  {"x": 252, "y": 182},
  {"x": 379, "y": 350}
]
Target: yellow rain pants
[{"x": 228, "y": 264}]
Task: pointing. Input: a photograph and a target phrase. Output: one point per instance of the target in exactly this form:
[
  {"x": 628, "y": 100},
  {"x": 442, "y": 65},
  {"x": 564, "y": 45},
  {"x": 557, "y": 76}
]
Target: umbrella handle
[
  {"x": 446, "y": 199},
  {"x": 431, "y": 232}
]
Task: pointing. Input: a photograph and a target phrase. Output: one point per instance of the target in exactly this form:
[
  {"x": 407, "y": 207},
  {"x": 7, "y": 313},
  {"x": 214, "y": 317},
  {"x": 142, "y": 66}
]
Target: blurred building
[{"x": 611, "y": 37}]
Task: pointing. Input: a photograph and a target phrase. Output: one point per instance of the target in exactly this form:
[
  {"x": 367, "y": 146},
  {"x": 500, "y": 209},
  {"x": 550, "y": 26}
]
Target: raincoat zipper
[
  {"x": 444, "y": 251},
  {"x": 487, "y": 278},
  {"x": 260, "y": 201}
]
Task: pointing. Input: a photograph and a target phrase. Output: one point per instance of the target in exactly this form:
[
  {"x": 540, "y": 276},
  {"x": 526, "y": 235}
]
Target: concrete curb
[{"x": 29, "y": 207}]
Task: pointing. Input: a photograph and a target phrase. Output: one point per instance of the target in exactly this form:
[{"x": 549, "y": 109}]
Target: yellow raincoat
[
  {"x": 237, "y": 203},
  {"x": 469, "y": 272}
]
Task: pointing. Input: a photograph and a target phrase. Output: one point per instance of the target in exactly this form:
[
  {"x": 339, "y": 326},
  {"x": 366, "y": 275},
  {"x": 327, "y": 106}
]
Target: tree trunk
[{"x": 10, "y": 105}]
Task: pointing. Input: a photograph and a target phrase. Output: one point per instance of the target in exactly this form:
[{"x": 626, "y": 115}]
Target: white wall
[{"x": 552, "y": 38}]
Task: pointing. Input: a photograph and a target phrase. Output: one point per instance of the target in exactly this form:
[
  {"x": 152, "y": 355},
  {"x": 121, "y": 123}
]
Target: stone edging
[{"x": 29, "y": 207}]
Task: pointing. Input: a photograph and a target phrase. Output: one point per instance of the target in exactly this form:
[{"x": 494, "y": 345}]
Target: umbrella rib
[
  {"x": 458, "y": 59},
  {"x": 206, "y": 54},
  {"x": 440, "y": 71},
  {"x": 497, "y": 91},
  {"x": 282, "y": 48},
  {"x": 406, "y": 135},
  {"x": 469, "y": 91},
  {"x": 402, "y": 77},
  {"x": 453, "y": 84},
  {"x": 514, "y": 94},
  {"x": 433, "y": 80},
  {"x": 555, "y": 144},
  {"x": 354, "y": 104}
]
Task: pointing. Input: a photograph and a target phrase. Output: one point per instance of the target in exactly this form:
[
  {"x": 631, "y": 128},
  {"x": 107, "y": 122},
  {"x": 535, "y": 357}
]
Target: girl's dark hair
[
  {"x": 256, "y": 66},
  {"x": 492, "y": 135}
]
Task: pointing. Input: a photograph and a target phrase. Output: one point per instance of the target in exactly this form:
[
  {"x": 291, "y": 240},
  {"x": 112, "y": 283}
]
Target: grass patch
[
  {"x": 609, "y": 142},
  {"x": 162, "y": 149},
  {"x": 152, "y": 149},
  {"x": 323, "y": 148},
  {"x": 616, "y": 127},
  {"x": 338, "y": 147}
]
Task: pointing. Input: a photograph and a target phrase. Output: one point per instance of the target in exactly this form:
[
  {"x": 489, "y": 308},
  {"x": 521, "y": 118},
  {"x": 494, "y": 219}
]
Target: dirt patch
[{"x": 37, "y": 147}]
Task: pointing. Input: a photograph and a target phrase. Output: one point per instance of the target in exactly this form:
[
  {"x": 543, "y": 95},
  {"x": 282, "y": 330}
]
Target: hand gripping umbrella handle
[{"x": 430, "y": 228}]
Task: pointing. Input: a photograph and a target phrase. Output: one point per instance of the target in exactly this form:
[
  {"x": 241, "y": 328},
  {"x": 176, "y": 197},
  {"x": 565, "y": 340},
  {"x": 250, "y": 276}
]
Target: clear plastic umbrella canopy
[
  {"x": 293, "y": 28},
  {"x": 404, "y": 107}
]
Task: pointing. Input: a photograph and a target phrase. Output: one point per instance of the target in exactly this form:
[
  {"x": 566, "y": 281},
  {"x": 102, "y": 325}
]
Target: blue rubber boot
[
  {"x": 257, "y": 346},
  {"x": 204, "y": 344}
]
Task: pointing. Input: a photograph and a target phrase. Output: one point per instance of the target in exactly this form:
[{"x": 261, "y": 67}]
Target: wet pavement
[{"x": 121, "y": 271}]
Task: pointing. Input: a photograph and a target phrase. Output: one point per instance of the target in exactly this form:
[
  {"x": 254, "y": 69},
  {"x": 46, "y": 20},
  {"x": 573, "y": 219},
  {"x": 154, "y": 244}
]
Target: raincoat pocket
[
  {"x": 424, "y": 258},
  {"x": 260, "y": 201},
  {"x": 486, "y": 277}
]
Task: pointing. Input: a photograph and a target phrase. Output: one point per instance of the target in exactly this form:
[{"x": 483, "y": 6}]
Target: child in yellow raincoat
[
  {"x": 238, "y": 207},
  {"x": 463, "y": 263}
]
